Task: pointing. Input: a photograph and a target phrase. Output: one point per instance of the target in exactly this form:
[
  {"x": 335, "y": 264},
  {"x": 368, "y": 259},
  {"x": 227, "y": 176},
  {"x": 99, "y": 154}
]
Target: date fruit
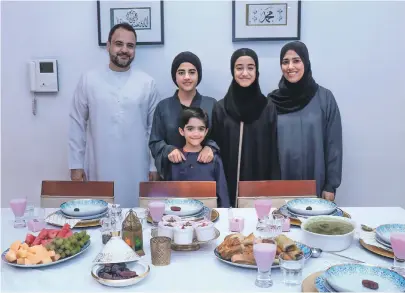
[
  {"x": 309, "y": 208},
  {"x": 176, "y": 209},
  {"x": 370, "y": 284}
]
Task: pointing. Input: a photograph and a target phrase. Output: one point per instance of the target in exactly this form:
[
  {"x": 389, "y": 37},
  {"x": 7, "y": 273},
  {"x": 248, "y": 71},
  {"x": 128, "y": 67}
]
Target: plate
[
  {"x": 319, "y": 206},
  {"x": 214, "y": 216},
  {"x": 84, "y": 248},
  {"x": 87, "y": 207},
  {"x": 95, "y": 217},
  {"x": 284, "y": 211},
  {"x": 322, "y": 286},
  {"x": 140, "y": 268},
  {"x": 382, "y": 242},
  {"x": 188, "y": 206},
  {"x": 384, "y": 231},
  {"x": 305, "y": 249},
  {"x": 348, "y": 278},
  {"x": 377, "y": 250}
]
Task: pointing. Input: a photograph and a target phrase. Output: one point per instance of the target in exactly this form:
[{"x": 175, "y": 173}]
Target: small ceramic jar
[
  {"x": 166, "y": 229},
  {"x": 171, "y": 219},
  {"x": 204, "y": 230},
  {"x": 237, "y": 224},
  {"x": 183, "y": 234}
]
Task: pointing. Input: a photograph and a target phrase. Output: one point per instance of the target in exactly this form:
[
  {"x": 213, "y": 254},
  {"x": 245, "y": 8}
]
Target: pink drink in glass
[
  {"x": 264, "y": 254},
  {"x": 18, "y": 206},
  {"x": 398, "y": 244},
  {"x": 156, "y": 209},
  {"x": 263, "y": 207}
]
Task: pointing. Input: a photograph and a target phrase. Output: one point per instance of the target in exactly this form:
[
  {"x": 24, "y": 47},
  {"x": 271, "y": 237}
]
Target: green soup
[{"x": 329, "y": 228}]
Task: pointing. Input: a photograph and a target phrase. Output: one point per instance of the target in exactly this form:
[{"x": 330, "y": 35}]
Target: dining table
[{"x": 188, "y": 270}]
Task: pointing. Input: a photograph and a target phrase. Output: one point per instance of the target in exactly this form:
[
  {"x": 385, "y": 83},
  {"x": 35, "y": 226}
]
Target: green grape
[
  {"x": 62, "y": 247},
  {"x": 81, "y": 243},
  {"x": 67, "y": 252},
  {"x": 62, "y": 255},
  {"x": 73, "y": 240}
]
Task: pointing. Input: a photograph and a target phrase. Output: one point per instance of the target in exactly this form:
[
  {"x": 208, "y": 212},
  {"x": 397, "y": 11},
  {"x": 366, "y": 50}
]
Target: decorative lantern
[{"x": 132, "y": 232}]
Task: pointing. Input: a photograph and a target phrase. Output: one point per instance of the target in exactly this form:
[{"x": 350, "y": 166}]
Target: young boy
[{"x": 194, "y": 128}]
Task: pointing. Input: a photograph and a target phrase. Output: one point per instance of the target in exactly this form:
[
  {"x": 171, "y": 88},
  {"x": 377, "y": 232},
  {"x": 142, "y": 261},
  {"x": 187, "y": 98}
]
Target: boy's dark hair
[
  {"x": 191, "y": 112},
  {"x": 123, "y": 25}
]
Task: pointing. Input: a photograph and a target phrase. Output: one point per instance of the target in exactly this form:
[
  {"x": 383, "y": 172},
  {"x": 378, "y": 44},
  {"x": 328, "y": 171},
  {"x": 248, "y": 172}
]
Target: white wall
[{"x": 356, "y": 49}]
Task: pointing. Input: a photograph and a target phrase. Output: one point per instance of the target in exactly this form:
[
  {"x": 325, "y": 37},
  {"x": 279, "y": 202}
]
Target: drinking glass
[
  {"x": 18, "y": 206},
  {"x": 271, "y": 226},
  {"x": 264, "y": 252},
  {"x": 156, "y": 210},
  {"x": 291, "y": 268},
  {"x": 263, "y": 207},
  {"x": 398, "y": 246},
  {"x": 142, "y": 215}
]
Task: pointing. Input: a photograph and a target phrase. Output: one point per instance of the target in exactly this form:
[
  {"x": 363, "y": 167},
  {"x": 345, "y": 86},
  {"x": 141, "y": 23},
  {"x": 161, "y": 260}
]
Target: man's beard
[{"x": 121, "y": 63}]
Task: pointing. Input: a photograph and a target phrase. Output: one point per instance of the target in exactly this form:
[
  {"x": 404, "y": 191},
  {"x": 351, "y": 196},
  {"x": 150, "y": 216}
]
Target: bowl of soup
[{"x": 330, "y": 233}]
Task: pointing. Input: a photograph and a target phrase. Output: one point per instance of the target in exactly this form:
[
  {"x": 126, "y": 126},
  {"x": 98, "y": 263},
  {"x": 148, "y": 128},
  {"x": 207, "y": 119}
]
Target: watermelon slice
[
  {"x": 43, "y": 234},
  {"x": 45, "y": 242},
  {"x": 29, "y": 239},
  {"x": 52, "y": 234},
  {"x": 37, "y": 241},
  {"x": 68, "y": 234}
]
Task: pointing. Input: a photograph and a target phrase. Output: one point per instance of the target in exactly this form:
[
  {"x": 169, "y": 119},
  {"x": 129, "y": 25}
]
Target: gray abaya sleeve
[{"x": 333, "y": 145}]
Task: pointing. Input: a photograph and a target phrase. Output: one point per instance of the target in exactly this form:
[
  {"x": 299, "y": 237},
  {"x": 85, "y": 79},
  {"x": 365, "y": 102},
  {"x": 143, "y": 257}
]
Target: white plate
[
  {"x": 319, "y": 206},
  {"x": 188, "y": 206},
  {"x": 348, "y": 278},
  {"x": 384, "y": 231},
  {"x": 84, "y": 207},
  {"x": 3, "y": 257},
  {"x": 382, "y": 242},
  {"x": 140, "y": 268}
]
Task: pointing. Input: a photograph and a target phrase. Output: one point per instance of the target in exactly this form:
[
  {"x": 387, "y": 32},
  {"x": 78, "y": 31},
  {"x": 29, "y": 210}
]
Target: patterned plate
[
  {"x": 95, "y": 217},
  {"x": 319, "y": 206},
  {"x": 3, "y": 257},
  {"x": 188, "y": 206},
  {"x": 322, "y": 286},
  {"x": 348, "y": 278},
  {"x": 284, "y": 211},
  {"x": 384, "y": 231},
  {"x": 305, "y": 249},
  {"x": 84, "y": 207},
  {"x": 382, "y": 242},
  {"x": 214, "y": 216}
]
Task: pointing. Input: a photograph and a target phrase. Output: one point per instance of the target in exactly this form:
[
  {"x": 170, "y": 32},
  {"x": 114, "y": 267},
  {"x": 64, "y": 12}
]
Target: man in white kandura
[{"x": 111, "y": 119}]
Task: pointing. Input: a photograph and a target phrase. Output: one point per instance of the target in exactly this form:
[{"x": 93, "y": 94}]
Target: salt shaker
[{"x": 286, "y": 224}]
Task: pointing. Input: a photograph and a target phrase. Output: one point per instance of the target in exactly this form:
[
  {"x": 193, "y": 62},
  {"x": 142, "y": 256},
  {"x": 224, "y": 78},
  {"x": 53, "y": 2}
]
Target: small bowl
[
  {"x": 171, "y": 219},
  {"x": 204, "y": 230},
  {"x": 140, "y": 268},
  {"x": 166, "y": 231},
  {"x": 327, "y": 242},
  {"x": 183, "y": 236}
]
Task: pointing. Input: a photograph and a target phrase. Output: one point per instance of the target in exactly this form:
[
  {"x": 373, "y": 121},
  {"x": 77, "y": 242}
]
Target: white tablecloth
[{"x": 196, "y": 270}]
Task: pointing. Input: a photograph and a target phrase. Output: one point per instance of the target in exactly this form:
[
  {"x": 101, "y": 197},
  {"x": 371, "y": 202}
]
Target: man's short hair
[{"x": 123, "y": 25}]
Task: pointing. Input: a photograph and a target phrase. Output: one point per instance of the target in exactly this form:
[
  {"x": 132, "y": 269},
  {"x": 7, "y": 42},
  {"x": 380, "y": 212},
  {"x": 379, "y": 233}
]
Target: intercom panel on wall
[{"x": 44, "y": 75}]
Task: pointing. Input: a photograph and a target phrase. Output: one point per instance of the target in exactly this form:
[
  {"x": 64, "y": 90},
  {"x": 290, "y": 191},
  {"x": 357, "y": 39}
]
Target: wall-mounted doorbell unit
[{"x": 44, "y": 76}]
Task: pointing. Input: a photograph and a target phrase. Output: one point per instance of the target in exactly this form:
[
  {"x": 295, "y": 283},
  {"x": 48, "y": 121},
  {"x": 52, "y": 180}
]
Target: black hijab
[
  {"x": 292, "y": 97},
  {"x": 245, "y": 103}
]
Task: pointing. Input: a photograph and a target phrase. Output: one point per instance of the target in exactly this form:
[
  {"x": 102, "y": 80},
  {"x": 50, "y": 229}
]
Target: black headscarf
[
  {"x": 245, "y": 103},
  {"x": 186, "y": 57},
  {"x": 292, "y": 97}
]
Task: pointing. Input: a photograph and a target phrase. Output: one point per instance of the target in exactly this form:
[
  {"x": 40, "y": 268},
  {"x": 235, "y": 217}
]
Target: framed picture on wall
[
  {"x": 146, "y": 17},
  {"x": 266, "y": 20}
]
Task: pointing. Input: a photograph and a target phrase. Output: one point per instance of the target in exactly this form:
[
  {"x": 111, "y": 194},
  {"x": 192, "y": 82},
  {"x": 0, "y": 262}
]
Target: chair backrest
[
  {"x": 54, "y": 193},
  {"x": 204, "y": 191},
  {"x": 280, "y": 191}
]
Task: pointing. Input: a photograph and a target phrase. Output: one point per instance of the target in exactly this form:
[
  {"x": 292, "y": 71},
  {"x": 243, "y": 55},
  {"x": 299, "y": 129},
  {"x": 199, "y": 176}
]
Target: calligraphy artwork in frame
[
  {"x": 146, "y": 17},
  {"x": 266, "y": 20}
]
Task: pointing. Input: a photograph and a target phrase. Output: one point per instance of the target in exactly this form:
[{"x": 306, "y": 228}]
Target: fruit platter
[{"x": 49, "y": 247}]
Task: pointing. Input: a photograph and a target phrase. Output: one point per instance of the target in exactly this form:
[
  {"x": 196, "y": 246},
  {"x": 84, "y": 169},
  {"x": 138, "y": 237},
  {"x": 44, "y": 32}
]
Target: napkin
[
  {"x": 369, "y": 238},
  {"x": 58, "y": 219}
]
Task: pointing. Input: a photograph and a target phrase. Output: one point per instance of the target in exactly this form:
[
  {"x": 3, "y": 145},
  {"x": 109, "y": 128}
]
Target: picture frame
[
  {"x": 271, "y": 20},
  {"x": 146, "y": 17}
]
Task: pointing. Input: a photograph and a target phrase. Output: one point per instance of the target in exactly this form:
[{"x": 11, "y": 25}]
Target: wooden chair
[
  {"x": 204, "y": 191},
  {"x": 54, "y": 193},
  {"x": 280, "y": 191}
]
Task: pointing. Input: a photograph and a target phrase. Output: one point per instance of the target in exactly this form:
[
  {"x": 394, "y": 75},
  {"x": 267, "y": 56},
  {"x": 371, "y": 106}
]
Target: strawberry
[{"x": 29, "y": 239}]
